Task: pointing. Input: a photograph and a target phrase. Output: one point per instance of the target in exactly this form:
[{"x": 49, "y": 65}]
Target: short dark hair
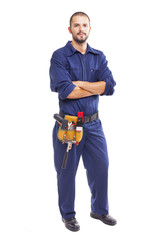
[{"x": 78, "y": 14}]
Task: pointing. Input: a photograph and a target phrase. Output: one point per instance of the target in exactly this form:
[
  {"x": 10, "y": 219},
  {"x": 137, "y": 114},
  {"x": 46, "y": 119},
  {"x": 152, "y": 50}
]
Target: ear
[
  {"x": 90, "y": 29},
  {"x": 69, "y": 29}
]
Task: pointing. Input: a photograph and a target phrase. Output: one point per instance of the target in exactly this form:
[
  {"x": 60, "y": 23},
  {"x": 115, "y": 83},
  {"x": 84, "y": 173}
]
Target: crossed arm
[{"x": 86, "y": 89}]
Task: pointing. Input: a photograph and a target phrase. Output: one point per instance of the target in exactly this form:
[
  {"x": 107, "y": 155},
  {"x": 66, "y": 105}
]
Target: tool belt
[
  {"x": 70, "y": 133},
  {"x": 71, "y": 129}
]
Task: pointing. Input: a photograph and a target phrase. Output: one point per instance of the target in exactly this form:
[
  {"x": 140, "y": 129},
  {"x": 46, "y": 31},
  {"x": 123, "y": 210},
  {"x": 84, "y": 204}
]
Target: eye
[{"x": 84, "y": 25}]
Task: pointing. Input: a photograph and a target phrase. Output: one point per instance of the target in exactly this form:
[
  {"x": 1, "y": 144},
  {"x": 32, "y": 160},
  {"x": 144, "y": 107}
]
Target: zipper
[
  {"x": 84, "y": 69},
  {"x": 82, "y": 60}
]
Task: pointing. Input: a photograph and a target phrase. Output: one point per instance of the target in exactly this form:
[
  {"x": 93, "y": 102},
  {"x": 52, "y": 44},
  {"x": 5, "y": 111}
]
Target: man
[{"x": 80, "y": 74}]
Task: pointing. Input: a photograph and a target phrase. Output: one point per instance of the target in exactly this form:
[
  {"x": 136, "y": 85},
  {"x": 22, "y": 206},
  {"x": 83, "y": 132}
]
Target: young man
[{"x": 80, "y": 74}]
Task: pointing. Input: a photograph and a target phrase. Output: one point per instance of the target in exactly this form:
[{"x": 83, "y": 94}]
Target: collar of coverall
[{"x": 70, "y": 50}]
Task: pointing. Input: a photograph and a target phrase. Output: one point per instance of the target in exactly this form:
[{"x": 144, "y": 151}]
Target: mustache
[{"x": 81, "y": 33}]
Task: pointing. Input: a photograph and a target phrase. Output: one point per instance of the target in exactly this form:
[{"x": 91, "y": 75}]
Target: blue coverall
[{"x": 67, "y": 65}]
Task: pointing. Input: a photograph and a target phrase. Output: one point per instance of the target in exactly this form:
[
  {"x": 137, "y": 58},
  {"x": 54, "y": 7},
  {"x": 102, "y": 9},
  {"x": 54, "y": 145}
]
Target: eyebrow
[{"x": 79, "y": 23}]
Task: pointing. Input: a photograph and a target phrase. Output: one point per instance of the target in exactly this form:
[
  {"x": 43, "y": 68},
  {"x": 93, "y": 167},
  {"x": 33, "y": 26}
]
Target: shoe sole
[{"x": 73, "y": 230}]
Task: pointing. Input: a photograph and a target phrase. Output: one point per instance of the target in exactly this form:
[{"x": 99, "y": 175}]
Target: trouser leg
[
  {"x": 95, "y": 158},
  {"x": 65, "y": 177}
]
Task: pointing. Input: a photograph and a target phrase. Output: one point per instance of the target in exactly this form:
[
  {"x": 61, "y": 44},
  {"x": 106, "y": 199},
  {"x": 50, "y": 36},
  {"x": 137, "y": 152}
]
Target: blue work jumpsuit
[{"x": 67, "y": 65}]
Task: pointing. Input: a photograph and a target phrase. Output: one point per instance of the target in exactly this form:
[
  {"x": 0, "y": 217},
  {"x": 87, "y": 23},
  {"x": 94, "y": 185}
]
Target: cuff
[
  {"x": 109, "y": 89},
  {"x": 64, "y": 94}
]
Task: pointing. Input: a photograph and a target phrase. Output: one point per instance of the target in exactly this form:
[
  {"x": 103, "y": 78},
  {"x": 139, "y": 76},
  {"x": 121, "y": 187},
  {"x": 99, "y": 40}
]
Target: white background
[{"x": 128, "y": 33}]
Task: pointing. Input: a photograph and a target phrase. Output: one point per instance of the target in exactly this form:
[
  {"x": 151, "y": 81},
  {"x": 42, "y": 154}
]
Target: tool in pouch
[{"x": 70, "y": 132}]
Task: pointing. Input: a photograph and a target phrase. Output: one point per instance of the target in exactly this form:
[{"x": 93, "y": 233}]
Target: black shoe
[
  {"x": 107, "y": 219},
  {"x": 71, "y": 224}
]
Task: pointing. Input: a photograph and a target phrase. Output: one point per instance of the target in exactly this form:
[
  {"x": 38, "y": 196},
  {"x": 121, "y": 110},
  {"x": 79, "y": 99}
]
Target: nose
[{"x": 81, "y": 28}]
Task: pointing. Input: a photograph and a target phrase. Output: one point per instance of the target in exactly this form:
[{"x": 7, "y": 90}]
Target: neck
[{"x": 81, "y": 47}]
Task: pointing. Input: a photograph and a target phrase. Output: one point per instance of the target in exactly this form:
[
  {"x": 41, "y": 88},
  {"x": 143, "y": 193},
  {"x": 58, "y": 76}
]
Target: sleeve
[
  {"x": 104, "y": 74},
  {"x": 60, "y": 80}
]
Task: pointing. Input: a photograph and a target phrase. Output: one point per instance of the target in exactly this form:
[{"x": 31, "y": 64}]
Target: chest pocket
[{"x": 93, "y": 75}]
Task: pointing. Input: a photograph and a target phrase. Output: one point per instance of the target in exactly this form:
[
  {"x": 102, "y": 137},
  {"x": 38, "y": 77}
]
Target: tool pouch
[{"x": 70, "y": 133}]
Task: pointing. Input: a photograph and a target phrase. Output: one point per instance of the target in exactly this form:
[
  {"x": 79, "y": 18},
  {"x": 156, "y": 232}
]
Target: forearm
[
  {"x": 96, "y": 88},
  {"x": 79, "y": 93}
]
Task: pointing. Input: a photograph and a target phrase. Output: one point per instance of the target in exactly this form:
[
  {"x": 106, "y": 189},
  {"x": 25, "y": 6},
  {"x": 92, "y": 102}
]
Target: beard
[{"x": 80, "y": 41}]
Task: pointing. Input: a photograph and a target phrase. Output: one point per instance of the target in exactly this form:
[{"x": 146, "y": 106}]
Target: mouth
[{"x": 81, "y": 34}]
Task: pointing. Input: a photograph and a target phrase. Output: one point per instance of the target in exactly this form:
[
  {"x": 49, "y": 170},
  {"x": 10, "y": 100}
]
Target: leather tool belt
[{"x": 70, "y": 133}]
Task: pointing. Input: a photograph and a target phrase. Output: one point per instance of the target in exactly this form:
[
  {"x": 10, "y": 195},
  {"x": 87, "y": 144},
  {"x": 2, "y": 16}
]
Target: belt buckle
[{"x": 85, "y": 120}]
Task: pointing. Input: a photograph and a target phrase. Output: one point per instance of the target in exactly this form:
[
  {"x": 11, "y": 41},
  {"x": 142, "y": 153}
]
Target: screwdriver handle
[{"x": 65, "y": 160}]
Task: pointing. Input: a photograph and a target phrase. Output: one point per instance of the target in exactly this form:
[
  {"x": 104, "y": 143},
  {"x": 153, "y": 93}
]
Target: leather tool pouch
[{"x": 70, "y": 133}]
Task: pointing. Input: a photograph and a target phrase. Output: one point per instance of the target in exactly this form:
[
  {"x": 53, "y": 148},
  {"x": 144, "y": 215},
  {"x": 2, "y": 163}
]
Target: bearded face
[{"x": 80, "y": 29}]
